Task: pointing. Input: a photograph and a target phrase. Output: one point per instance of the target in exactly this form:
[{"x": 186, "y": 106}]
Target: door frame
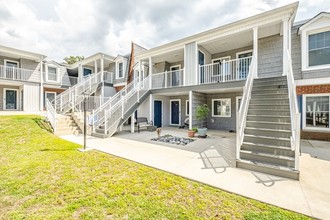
[
  {"x": 237, "y": 98},
  {"x": 174, "y": 100},
  {"x": 4, "y": 97},
  {"x": 45, "y": 96},
  {"x": 162, "y": 116},
  {"x": 174, "y": 66}
]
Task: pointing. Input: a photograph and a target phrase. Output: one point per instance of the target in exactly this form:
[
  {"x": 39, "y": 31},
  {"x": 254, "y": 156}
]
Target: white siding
[
  {"x": 31, "y": 97},
  {"x": 190, "y": 57}
]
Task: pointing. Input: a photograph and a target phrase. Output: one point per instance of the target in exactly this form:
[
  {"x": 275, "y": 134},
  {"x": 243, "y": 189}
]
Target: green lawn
[{"x": 44, "y": 177}]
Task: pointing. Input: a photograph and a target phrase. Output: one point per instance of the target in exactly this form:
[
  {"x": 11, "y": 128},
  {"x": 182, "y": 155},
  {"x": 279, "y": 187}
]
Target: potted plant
[
  {"x": 202, "y": 111},
  {"x": 191, "y": 132}
]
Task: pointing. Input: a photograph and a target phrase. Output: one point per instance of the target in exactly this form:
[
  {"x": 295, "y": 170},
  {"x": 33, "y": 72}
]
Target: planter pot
[
  {"x": 202, "y": 132},
  {"x": 191, "y": 134}
]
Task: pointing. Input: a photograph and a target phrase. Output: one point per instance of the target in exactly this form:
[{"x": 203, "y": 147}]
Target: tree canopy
[{"x": 73, "y": 59}]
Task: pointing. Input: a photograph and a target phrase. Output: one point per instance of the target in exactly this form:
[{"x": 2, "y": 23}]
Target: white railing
[
  {"x": 294, "y": 111},
  {"x": 99, "y": 114},
  {"x": 231, "y": 70},
  {"x": 110, "y": 114},
  {"x": 242, "y": 113},
  {"x": 108, "y": 77},
  {"x": 69, "y": 98},
  {"x": 51, "y": 114},
  {"x": 168, "y": 79},
  {"x": 19, "y": 74},
  {"x": 69, "y": 80}
]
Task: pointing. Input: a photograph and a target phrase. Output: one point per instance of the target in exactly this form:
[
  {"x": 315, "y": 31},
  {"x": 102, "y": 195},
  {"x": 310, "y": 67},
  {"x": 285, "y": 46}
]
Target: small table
[{"x": 151, "y": 128}]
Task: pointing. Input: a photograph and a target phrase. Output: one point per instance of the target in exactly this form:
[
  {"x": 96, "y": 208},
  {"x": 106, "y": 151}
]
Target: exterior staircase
[
  {"x": 119, "y": 108},
  {"x": 66, "y": 126},
  {"x": 266, "y": 145}
]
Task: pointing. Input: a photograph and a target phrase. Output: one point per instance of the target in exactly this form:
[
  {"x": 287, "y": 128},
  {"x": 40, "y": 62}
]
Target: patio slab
[{"x": 212, "y": 160}]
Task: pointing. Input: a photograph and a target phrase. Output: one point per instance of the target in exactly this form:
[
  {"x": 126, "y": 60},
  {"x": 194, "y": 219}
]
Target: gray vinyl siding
[
  {"x": 198, "y": 99},
  {"x": 222, "y": 123},
  {"x": 183, "y": 106},
  {"x": 296, "y": 53},
  {"x": 190, "y": 57},
  {"x": 270, "y": 56},
  {"x": 316, "y": 73}
]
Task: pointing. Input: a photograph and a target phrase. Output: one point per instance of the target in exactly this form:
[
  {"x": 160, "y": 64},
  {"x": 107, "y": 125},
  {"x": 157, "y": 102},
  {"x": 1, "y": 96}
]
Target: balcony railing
[
  {"x": 19, "y": 74},
  {"x": 168, "y": 79},
  {"x": 69, "y": 80},
  {"x": 108, "y": 77},
  {"x": 231, "y": 70}
]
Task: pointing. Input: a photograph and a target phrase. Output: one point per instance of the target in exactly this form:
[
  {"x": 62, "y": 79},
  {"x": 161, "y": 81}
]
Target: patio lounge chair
[{"x": 143, "y": 123}]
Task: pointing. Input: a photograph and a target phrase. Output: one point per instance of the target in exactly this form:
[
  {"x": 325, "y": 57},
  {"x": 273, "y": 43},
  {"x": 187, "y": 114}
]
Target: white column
[
  {"x": 255, "y": 49},
  {"x": 150, "y": 72},
  {"x": 41, "y": 98},
  {"x": 140, "y": 70},
  {"x": 95, "y": 66},
  {"x": 132, "y": 122},
  {"x": 151, "y": 108},
  {"x": 80, "y": 73},
  {"x": 285, "y": 44},
  {"x": 190, "y": 109},
  {"x": 102, "y": 67}
]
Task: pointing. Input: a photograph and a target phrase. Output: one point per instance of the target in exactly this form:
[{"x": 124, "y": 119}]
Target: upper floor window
[
  {"x": 120, "y": 70},
  {"x": 87, "y": 72},
  {"x": 52, "y": 74},
  {"x": 319, "y": 49}
]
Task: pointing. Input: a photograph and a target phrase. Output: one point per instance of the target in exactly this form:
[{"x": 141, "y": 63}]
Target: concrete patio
[{"x": 212, "y": 160}]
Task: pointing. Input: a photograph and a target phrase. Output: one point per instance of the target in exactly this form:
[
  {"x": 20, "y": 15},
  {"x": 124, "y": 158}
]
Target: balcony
[
  {"x": 168, "y": 79},
  {"x": 225, "y": 71},
  {"x": 18, "y": 74}
]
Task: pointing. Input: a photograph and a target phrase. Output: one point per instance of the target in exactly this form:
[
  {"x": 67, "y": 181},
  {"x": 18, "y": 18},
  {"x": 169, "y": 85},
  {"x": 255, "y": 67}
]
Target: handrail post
[
  {"x": 122, "y": 107},
  {"x": 166, "y": 79}
]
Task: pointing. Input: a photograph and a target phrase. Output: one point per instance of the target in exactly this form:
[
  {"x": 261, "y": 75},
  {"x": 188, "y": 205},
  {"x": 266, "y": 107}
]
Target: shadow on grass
[
  {"x": 47, "y": 149},
  {"x": 43, "y": 124}
]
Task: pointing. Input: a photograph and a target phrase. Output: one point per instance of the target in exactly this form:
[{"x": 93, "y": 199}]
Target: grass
[{"x": 44, "y": 177}]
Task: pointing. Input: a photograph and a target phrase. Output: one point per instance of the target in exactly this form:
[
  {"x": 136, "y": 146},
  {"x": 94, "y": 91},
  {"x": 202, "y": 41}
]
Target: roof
[
  {"x": 92, "y": 58},
  {"x": 312, "y": 20},
  {"x": 21, "y": 53}
]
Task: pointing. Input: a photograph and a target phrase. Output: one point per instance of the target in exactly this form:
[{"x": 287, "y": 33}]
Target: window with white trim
[
  {"x": 120, "y": 70},
  {"x": 319, "y": 49},
  {"x": 52, "y": 74},
  {"x": 316, "y": 114},
  {"x": 221, "y": 107}
]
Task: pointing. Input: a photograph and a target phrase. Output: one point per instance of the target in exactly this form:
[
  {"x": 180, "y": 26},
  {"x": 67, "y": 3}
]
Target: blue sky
[{"x": 59, "y": 28}]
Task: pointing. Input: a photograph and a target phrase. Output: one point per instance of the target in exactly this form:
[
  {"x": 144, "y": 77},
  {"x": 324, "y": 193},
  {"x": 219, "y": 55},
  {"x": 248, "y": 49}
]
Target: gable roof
[{"x": 313, "y": 20}]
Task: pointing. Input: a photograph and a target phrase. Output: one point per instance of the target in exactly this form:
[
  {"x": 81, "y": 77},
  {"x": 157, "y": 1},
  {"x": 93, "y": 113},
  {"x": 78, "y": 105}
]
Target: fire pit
[{"x": 173, "y": 140}]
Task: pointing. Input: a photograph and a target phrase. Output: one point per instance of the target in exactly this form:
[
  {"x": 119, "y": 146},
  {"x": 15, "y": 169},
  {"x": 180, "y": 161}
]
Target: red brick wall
[{"x": 313, "y": 89}]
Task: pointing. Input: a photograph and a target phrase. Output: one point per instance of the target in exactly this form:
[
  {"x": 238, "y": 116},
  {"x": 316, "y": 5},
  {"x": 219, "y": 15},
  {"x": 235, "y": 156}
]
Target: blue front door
[
  {"x": 175, "y": 112},
  {"x": 201, "y": 62},
  {"x": 158, "y": 114}
]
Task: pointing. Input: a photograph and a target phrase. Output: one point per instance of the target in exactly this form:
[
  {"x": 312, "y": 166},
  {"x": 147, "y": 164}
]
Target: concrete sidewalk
[{"x": 310, "y": 195}]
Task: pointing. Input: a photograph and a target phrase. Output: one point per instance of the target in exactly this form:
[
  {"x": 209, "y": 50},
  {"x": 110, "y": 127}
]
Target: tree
[{"x": 73, "y": 59}]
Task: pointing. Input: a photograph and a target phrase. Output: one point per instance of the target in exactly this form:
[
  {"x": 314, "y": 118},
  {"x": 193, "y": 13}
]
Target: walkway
[{"x": 211, "y": 161}]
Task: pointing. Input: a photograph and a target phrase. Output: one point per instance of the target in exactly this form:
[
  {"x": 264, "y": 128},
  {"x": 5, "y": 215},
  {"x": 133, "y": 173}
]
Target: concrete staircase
[
  {"x": 266, "y": 145},
  {"x": 66, "y": 126}
]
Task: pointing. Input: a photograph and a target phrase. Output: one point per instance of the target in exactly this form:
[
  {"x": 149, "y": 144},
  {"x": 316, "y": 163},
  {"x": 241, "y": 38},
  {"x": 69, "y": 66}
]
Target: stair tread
[
  {"x": 267, "y": 137},
  {"x": 282, "y": 157},
  {"x": 277, "y": 116},
  {"x": 267, "y": 145},
  {"x": 268, "y": 129},
  {"x": 269, "y": 165},
  {"x": 267, "y": 98},
  {"x": 270, "y": 122}
]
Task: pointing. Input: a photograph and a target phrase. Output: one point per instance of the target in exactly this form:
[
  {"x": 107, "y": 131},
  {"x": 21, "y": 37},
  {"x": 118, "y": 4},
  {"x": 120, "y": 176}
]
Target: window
[
  {"x": 50, "y": 96},
  {"x": 52, "y": 74},
  {"x": 316, "y": 111},
  {"x": 120, "y": 70},
  {"x": 187, "y": 107},
  {"x": 10, "y": 63},
  {"x": 221, "y": 107},
  {"x": 87, "y": 72},
  {"x": 319, "y": 49}
]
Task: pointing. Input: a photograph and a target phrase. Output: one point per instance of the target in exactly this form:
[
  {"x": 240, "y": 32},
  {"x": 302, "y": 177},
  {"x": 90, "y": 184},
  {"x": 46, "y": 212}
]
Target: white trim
[
  {"x": 4, "y": 97},
  {"x": 49, "y": 92},
  {"x": 120, "y": 84},
  {"x": 12, "y": 61},
  {"x": 174, "y": 100},
  {"x": 162, "y": 116},
  {"x": 187, "y": 101},
  {"x": 237, "y": 98},
  {"x": 118, "y": 61},
  {"x": 198, "y": 56},
  {"x": 220, "y": 116},
  {"x": 190, "y": 109},
  {"x": 304, "y": 112},
  {"x": 221, "y": 58},
  {"x": 243, "y": 52},
  {"x": 57, "y": 73},
  {"x": 317, "y": 81}
]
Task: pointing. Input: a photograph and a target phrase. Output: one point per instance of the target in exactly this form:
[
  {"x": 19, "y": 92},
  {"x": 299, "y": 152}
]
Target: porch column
[
  {"x": 80, "y": 72},
  {"x": 150, "y": 72},
  {"x": 190, "y": 109},
  {"x": 255, "y": 49},
  {"x": 151, "y": 108},
  {"x": 285, "y": 44},
  {"x": 102, "y": 67},
  {"x": 41, "y": 98},
  {"x": 140, "y": 70},
  {"x": 132, "y": 122},
  {"x": 95, "y": 66}
]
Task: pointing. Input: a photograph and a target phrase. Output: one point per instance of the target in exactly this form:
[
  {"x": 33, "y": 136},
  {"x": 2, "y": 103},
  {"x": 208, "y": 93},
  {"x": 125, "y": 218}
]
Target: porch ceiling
[
  {"x": 171, "y": 57},
  {"x": 239, "y": 40}
]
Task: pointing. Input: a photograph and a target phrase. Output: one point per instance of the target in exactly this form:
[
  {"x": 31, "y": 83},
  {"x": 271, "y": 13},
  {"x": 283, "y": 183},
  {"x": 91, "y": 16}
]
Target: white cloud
[{"x": 59, "y": 28}]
